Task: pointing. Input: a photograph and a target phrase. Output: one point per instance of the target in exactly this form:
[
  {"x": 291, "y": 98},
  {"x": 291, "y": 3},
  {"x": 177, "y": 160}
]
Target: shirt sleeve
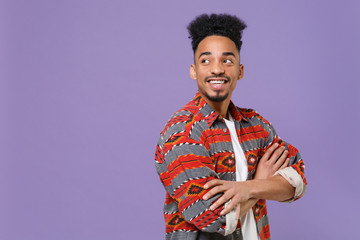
[
  {"x": 294, "y": 173},
  {"x": 184, "y": 167}
]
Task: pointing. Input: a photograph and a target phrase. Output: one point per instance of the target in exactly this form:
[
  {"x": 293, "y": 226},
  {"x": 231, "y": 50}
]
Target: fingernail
[
  {"x": 205, "y": 197},
  {"x": 212, "y": 208},
  {"x": 205, "y": 186},
  {"x": 222, "y": 212}
]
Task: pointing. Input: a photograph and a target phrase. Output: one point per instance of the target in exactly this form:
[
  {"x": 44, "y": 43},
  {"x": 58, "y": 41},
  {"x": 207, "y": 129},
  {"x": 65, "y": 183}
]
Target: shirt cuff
[
  {"x": 294, "y": 178},
  {"x": 231, "y": 221}
]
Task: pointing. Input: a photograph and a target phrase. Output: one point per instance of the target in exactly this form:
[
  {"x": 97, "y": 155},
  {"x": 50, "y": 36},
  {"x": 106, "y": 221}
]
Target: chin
[{"x": 217, "y": 98}]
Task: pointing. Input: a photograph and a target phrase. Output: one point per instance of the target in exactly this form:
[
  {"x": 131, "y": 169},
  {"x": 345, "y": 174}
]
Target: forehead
[{"x": 216, "y": 45}]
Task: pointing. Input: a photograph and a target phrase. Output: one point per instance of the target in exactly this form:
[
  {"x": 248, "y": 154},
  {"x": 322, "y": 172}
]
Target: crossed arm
[
  {"x": 182, "y": 164},
  {"x": 265, "y": 185}
]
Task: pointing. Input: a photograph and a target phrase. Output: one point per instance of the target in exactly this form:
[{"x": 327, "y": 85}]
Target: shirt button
[
  {"x": 225, "y": 130},
  {"x": 232, "y": 155}
]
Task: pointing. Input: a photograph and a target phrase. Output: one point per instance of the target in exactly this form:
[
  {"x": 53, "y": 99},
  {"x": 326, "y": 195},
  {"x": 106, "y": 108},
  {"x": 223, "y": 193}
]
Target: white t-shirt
[{"x": 248, "y": 224}]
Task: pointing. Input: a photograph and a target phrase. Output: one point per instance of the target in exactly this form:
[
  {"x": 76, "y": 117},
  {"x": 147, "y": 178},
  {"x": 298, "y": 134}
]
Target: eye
[
  {"x": 205, "y": 60},
  {"x": 228, "y": 61}
]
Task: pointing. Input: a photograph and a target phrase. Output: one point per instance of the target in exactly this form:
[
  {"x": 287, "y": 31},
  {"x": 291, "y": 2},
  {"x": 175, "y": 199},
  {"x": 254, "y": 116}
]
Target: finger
[
  {"x": 222, "y": 200},
  {"x": 286, "y": 164},
  {"x": 213, "y": 183},
  {"x": 237, "y": 210},
  {"x": 214, "y": 191},
  {"x": 277, "y": 154},
  {"x": 281, "y": 160},
  {"x": 228, "y": 207},
  {"x": 269, "y": 152}
]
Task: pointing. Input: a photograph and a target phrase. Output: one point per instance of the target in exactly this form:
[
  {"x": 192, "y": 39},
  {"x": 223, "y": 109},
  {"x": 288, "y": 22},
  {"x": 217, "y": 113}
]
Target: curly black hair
[{"x": 216, "y": 24}]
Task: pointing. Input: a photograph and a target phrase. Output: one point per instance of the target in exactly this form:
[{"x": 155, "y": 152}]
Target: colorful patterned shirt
[{"x": 195, "y": 147}]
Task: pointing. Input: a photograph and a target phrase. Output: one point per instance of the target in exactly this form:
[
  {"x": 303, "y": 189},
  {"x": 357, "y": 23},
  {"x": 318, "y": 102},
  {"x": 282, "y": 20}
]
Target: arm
[
  {"x": 294, "y": 173},
  {"x": 274, "y": 159},
  {"x": 289, "y": 184},
  {"x": 184, "y": 167}
]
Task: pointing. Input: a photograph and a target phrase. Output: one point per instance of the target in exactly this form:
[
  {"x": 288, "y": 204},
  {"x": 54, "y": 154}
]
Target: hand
[
  {"x": 273, "y": 160},
  {"x": 236, "y": 191}
]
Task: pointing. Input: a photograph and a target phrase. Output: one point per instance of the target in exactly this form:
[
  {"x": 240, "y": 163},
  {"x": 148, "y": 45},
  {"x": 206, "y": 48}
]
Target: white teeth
[{"x": 217, "y": 81}]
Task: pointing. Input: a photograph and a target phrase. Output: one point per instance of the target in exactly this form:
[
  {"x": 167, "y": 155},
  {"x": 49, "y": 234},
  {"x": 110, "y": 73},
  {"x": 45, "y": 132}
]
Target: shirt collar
[{"x": 210, "y": 115}]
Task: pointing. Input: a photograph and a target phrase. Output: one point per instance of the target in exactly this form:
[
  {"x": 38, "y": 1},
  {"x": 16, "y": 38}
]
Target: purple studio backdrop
[{"x": 86, "y": 87}]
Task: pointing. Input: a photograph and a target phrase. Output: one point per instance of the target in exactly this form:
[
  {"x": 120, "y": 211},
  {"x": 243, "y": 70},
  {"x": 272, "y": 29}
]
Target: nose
[{"x": 217, "y": 68}]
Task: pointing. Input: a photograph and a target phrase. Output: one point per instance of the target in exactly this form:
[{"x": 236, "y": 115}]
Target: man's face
[{"x": 217, "y": 68}]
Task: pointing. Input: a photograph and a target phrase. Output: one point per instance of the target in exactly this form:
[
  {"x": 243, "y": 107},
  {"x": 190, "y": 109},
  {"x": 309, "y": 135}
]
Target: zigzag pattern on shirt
[{"x": 194, "y": 148}]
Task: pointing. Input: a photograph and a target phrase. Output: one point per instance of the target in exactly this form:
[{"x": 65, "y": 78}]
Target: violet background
[{"x": 86, "y": 87}]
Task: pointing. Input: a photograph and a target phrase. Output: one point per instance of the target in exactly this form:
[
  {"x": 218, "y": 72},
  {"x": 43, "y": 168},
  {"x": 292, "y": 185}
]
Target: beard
[{"x": 216, "y": 98}]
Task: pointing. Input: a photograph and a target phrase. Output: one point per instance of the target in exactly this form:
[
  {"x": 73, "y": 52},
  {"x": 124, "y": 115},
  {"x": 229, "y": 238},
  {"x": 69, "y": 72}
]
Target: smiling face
[{"x": 217, "y": 68}]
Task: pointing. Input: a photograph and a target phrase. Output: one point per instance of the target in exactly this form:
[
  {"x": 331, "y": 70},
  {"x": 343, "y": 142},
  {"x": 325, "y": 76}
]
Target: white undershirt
[{"x": 248, "y": 224}]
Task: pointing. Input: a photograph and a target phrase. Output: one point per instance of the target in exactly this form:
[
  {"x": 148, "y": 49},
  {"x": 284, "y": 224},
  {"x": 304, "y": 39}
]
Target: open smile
[{"x": 217, "y": 82}]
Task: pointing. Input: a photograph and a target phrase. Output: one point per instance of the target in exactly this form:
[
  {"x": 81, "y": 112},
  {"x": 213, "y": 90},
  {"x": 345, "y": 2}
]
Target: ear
[
  {"x": 193, "y": 71},
  {"x": 241, "y": 72}
]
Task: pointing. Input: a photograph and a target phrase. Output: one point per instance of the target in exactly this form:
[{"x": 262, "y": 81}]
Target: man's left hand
[{"x": 236, "y": 191}]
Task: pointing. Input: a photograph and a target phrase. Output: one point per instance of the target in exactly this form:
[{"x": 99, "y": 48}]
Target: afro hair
[{"x": 216, "y": 24}]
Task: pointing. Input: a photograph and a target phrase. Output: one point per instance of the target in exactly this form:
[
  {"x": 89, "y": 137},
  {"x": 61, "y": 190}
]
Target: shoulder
[
  {"x": 252, "y": 115},
  {"x": 188, "y": 122},
  {"x": 179, "y": 122}
]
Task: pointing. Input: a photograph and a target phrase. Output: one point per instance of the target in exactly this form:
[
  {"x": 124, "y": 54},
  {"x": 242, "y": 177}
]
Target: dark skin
[
  {"x": 217, "y": 69},
  {"x": 217, "y": 59}
]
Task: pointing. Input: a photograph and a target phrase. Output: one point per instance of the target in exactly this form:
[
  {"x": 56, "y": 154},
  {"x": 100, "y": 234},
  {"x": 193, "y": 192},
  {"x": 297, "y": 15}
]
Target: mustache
[{"x": 217, "y": 76}]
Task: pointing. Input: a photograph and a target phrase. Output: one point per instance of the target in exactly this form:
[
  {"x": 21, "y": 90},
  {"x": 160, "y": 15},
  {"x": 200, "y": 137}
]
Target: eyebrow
[
  {"x": 228, "y": 54},
  {"x": 224, "y": 54},
  {"x": 204, "y": 53}
]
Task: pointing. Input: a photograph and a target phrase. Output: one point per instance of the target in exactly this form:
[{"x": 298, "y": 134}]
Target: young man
[{"x": 217, "y": 162}]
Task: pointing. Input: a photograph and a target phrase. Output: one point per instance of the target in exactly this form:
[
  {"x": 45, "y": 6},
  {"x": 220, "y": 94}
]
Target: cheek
[
  {"x": 200, "y": 75},
  {"x": 236, "y": 74},
  {"x": 202, "y": 70}
]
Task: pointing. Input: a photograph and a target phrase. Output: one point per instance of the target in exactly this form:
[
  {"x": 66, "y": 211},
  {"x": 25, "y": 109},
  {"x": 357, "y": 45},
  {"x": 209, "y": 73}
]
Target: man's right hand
[{"x": 273, "y": 160}]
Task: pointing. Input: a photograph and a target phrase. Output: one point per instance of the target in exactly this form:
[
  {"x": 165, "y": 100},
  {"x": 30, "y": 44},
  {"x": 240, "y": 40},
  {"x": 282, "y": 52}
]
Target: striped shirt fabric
[{"x": 195, "y": 147}]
